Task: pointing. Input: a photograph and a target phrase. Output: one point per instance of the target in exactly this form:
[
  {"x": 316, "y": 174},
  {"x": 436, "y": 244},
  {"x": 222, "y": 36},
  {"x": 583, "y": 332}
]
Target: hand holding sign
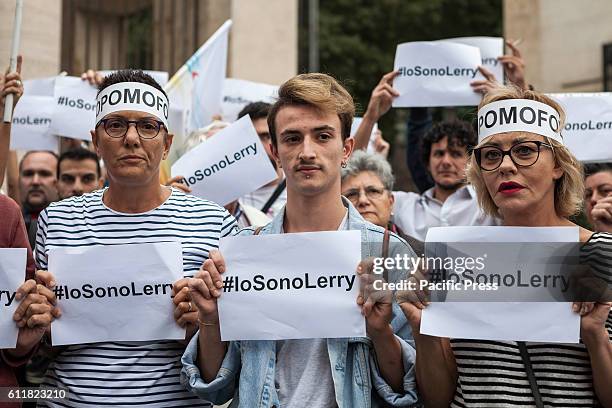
[
  {"x": 206, "y": 286},
  {"x": 376, "y": 305},
  {"x": 514, "y": 66},
  {"x": 602, "y": 215}
]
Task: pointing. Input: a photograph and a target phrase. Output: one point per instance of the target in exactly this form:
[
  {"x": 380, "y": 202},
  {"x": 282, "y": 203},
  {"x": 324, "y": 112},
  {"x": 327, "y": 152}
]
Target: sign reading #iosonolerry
[
  {"x": 435, "y": 74},
  {"x": 588, "y": 125},
  {"x": 490, "y": 49},
  {"x": 31, "y": 124},
  {"x": 227, "y": 166},
  {"x": 74, "y": 111}
]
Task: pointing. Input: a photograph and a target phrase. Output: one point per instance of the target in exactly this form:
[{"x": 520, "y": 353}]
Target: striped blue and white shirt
[{"x": 122, "y": 373}]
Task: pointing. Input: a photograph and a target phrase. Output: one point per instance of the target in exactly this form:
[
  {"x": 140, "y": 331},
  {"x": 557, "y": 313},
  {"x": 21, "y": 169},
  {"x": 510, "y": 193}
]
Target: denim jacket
[{"x": 247, "y": 373}]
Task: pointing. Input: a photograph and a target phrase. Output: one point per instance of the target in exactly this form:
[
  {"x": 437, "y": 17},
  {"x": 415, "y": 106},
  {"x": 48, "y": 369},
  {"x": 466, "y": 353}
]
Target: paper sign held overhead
[
  {"x": 435, "y": 74},
  {"x": 74, "y": 113},
  {"x": 31, "y": 124},
  {"x": 490, "y": 49},
  {"x": 237, "y": 93}
]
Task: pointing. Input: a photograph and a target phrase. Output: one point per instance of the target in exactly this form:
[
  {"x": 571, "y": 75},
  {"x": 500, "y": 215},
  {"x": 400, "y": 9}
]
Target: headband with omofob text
[
  {"x": 518, "y": 115},
  {"x": 134, "y": 96}
]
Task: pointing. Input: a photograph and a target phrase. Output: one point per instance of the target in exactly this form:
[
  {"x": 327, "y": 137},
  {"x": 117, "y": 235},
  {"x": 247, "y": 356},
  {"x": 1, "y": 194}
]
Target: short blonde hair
[
  {"x": 320, "y": 91},
  {"x": 569, "y": 189}
]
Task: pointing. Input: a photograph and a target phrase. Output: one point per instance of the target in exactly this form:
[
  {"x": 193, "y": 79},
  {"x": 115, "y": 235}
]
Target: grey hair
[{"x": 362, "y": 161}]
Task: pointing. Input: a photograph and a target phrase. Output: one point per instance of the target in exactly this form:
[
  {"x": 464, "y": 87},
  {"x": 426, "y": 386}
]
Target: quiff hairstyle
[
  {"x": 569, "y": 189},
  {"x": 319, "y": 91}
]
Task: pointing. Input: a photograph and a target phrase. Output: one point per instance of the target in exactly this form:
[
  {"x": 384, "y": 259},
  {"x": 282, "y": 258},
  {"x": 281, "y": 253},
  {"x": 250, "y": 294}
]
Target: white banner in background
[
  {"x": 74, "y": 113},
  {"x": 32, "y": 123},
  {"x": 227, "y": 166},
  {"x": 588, "y": 125},
  {"x": 490, "y": 49},
  {"x": 275, "y": 289},
  {"x": 436, "y": 73},
  {"x": 237, "y": 93}
]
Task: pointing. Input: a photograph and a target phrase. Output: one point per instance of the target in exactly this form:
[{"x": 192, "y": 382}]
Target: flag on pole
[{"x": 195, "y": 91}]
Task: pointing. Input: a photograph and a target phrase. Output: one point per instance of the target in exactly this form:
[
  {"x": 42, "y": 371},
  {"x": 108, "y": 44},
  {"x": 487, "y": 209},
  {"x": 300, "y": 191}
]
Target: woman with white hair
[
  {"x": 528, "y": 179},
  {"x": 367, "y": 181}
]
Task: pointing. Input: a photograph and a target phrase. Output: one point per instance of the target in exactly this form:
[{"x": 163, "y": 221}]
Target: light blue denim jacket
[{"x": 247, "y": 373}]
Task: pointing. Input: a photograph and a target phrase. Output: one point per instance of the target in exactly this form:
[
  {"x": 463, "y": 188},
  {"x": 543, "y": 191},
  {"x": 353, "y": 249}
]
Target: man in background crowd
[
  {"x": 78, "y": 173},
  {"x": 37, "y": 187}
]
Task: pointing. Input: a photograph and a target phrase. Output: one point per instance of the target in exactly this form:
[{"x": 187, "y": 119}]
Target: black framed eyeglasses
[
  {"x": 523, "y": 154},
  {"x": 147, "y": 128},
  {"x": 371, "y": 192}
]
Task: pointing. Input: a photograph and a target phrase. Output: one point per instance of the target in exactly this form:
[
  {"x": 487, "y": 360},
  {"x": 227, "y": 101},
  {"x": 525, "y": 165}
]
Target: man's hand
[
  {"x": 206, "y": 287},
  {"x": 514, "y": 66},
  {"x": 176, "y": 183},
  {"x": 602, "y": 215},
  {"x": 33, "y": 316},
  {"x": 10, "y": 83},
  {"x": 412, "y": 302},
  {"x": 376, "y": 304},
  {"x": 381, "y": 146},
  {"x": 382, "y": 97},
  {"x": 93, "y": 77},
  {"x": 484, "y": 85}
]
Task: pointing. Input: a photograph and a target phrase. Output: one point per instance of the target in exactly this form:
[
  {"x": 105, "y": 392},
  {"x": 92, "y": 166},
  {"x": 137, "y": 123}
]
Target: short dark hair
[
  {"x": 129, "y": 75},
  {"x": 29, "y": 152},
  {"x": 459, "y": 133},
  {"x": 319, "y": 91},
  {"x": 256, "y": 110},
  {"x": 593, "y": 168},
  {"x": 79, "y": 154}
]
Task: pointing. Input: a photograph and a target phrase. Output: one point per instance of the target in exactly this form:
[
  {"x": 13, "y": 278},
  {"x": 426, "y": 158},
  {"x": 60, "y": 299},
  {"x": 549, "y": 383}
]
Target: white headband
[
  {"x": 518, "y": 115},
  {"x": 132, "y": 96}
]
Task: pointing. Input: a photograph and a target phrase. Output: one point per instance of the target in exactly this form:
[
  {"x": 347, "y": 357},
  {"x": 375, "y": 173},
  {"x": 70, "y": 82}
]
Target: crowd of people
[{"x": 113, "y": 192}]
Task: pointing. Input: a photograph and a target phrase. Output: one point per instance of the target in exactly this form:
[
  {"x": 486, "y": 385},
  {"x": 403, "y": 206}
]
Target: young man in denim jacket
[{"x": 309, "y": 126}]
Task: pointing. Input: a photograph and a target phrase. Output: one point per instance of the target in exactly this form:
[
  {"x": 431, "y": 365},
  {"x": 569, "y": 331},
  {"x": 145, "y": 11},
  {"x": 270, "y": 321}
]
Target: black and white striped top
[
  {"x": 492, "y": 374},
  {"x": 121, "y": 373}
]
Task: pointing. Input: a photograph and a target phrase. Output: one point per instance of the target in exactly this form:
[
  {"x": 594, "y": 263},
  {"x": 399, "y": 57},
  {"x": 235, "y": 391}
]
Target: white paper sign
[
  {"x": 227, "y": 166},
  {"x": 161, "y": 77},
  {"x": 39, "y": 86},
  {"x": 237, "y": 93},
  {"x": 116, "y": 292},
  {"x": 74, "y": 114},
  {"x": 12, "y": 274},
  {"x": 588, "y": 125},
  {"x": 490, "y": 49},
  {"x": 372, "y": 142},
  {"x": 31, "y": 124},
  {"x": 435, "y": 74},
  {"x": 514, "y": 321},
  {"x": 291, "y": 286}
]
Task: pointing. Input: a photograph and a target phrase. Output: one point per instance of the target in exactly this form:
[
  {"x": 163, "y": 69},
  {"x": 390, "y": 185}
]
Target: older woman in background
[
  {"x": 367, "y": 181},
  {"x": 529, "y": 180}
]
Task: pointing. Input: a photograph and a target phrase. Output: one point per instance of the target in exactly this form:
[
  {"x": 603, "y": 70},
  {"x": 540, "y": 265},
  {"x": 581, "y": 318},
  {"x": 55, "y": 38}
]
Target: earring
[{"x": 343, "y": 164}]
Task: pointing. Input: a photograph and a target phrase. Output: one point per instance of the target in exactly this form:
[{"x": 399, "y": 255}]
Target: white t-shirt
[
  {"x": 260, "y": 196},
  {"x": 414, "y": 214}
]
